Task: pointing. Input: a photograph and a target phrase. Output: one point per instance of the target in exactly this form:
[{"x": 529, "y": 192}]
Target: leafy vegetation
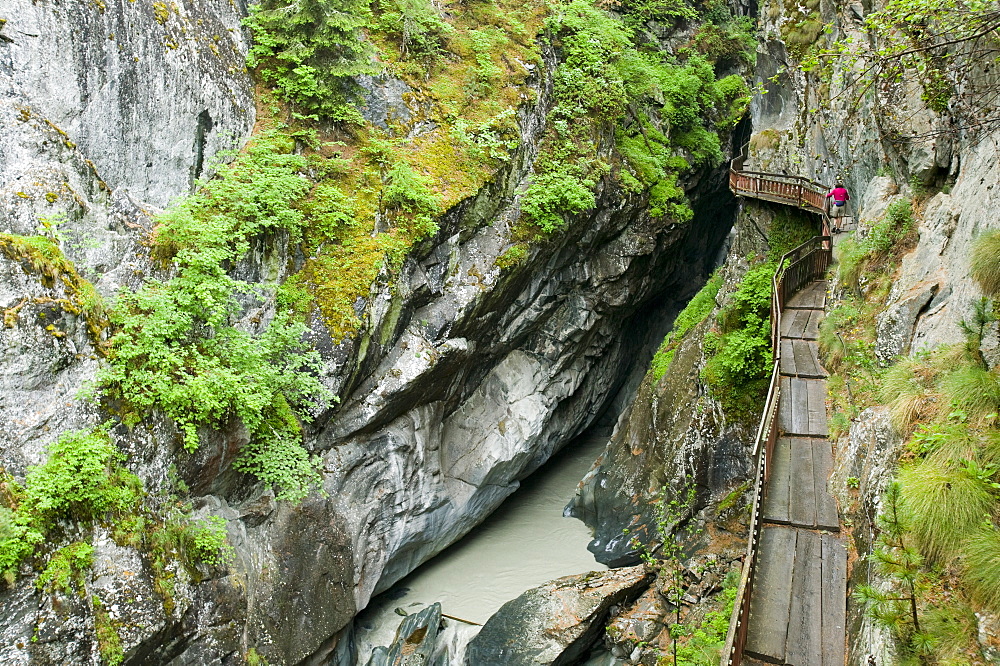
[
  {"x": 739, "y": 351},
  {"x": 608, "y": 80},
  {"x": 310, "y": 54},
  {"x": 695, "y": 312},
  {"x": 936, "y": 42},
  {"x": 66, "y": 567},
  {"x": 81, "y": 480},
  {"x": 177, "y": 348},
  {"x": 693, "y": 641}
]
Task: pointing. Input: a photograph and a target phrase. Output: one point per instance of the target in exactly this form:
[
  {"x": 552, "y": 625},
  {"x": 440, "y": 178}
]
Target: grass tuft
[
  {"x": 972, "y": 389},
  {"x": 944, "y": 506},
  {"x": 982, "y": 567},
  {"x": 985, "y": 263},
  {"x": 905, "y": 392}
]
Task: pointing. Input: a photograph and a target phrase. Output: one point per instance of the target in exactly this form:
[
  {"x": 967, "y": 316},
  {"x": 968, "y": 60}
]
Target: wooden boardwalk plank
[
  {"x": 769, "y": 604},
  {"x": 775, "y": 508},
  {"x": 810, "y": 297},
  {"x": 802, "y": 485},
  {"x": 794, "y": 322},
  {"x": 787, "y": 357},
  {"x": 799, "y": 397},
  {"x": 811, "y": 328},
  {"x": 807, "y": 359},
  {"x": 834, "y": 600},
  {"x": 827, "y": 517},
  {"x": 785, "y": 405},
  {"x": 804, "y": 644},
  {"x": 816, "y": 401}
]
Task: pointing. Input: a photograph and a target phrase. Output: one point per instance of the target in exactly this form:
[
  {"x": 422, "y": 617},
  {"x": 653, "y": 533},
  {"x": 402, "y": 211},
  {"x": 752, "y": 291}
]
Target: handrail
[
  {"x": 796, "y": 267},
  {"x": 796, "y": 191},
  {"x": 783, "y": 188}
]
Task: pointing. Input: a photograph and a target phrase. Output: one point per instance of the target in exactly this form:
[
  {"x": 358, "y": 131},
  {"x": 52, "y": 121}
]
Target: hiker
[{"x": 840, "y": 198}]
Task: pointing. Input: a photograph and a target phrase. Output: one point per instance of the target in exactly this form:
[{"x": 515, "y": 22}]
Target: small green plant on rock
[
  {"x": 896, "y": 608},
  {"x": 66, "y": 568},
  {"x": 109, "y": 641},
  {"x": 82, "y": 481}
]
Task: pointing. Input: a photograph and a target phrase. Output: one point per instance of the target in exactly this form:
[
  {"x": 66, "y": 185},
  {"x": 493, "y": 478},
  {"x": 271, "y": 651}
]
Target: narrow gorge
[{"x": 297, "y": 293}]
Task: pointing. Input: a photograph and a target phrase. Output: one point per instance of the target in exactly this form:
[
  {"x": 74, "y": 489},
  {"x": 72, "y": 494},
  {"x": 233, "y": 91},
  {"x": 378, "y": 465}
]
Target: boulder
[
  {"x": 556, "y": 623},
  {"x": 414, "y": 643}
]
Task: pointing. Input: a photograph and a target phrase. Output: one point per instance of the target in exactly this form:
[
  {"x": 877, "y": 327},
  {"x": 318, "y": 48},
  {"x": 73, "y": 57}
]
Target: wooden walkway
[{"x": 798, "y": 607}]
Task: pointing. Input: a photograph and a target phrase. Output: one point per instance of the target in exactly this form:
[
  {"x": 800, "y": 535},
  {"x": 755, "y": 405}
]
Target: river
[{"x": 525, "y": 543}]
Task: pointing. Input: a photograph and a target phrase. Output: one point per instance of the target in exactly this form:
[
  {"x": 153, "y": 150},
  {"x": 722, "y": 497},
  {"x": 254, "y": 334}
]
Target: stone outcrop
[
  {"x": 557, "y": 623},
  {"x": 674, "y": 434}
]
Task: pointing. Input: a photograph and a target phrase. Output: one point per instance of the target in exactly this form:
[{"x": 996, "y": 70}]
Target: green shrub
[
  {"x": 417, "y": 25},
  {"x": 66, "y": 567},
  {"x": 607, "y": 79},
  {"x": 177, "y": 348},
  {"x": 739, "y": 359},
  {"x": 81, "y": 480},
  {"x": 310, "y": 54},
  {"x": 553, "y": 195},
  {"x": 944, "y": 506},
  {"x": 410, "y": 193},
  {"x": 985, "y": 263}
]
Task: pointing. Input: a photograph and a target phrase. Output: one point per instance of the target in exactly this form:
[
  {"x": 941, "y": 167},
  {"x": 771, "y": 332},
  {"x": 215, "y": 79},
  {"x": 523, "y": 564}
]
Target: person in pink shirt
[{"x": 840, "y": 198}]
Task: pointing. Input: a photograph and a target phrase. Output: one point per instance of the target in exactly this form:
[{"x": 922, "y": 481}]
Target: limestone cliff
[{"x": 462, "y": 378}]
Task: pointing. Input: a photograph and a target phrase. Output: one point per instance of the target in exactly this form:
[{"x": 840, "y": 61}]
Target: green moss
[
  {"x": 109, "y": 641},
  {"x": 41, "y": 256},
  {"x": 512, "y": 256}
]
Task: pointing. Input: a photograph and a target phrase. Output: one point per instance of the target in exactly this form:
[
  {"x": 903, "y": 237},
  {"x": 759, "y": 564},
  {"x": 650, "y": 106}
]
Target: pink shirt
[{"x": 839, "y": 194}]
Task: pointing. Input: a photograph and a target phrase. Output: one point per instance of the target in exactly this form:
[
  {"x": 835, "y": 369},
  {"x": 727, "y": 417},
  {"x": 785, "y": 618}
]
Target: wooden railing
[
  {"x": 780, "y": 188},
  {"x": 802, "y": 265}
]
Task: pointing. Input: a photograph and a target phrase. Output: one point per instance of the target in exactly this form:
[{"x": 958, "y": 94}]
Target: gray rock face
[
  {"x": 557, "y": 623},
  {"x": 672, "y": 434},
  {"x": 415, "y": 642},
  {"x": 149, "y": 92},
  {"x": 462, "y": 380}
]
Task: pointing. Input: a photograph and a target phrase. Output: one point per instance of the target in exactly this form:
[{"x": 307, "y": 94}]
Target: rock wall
[
  {"x": 463, "y": 379},
  {"x": 674, "y": 433},
  {"x": 148, "y": 91}
]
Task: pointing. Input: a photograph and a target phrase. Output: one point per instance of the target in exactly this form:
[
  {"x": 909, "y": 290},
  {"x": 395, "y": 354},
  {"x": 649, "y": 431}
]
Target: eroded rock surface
[{"x": 556, "y": 623}]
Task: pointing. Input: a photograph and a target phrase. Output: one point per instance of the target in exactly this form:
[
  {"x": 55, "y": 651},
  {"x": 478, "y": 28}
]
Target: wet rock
[
  {"x": 556, "y": 623},
  {"x": 148, "y": 95},
  {"x": 415, "y": 642}
]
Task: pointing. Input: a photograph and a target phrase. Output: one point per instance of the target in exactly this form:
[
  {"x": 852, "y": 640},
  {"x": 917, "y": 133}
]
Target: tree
[{"x": 311, "y": 50}]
